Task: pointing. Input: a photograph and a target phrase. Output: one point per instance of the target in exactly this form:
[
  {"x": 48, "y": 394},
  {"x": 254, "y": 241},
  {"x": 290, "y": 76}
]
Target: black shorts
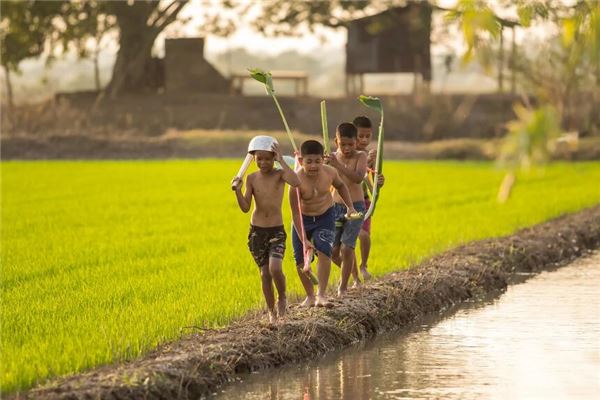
[{"x": 266, "y": 242}]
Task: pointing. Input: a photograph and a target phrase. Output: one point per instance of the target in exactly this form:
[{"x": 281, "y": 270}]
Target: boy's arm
[
  {"x": 354, "y": 175},
  {"x": 343, "y": 191},
  {"x": 295, "y": 212},
  {"x": 244, "y": 200},
  {"x": 287, "y": 174},
  {"x": 371, "y": 158}
]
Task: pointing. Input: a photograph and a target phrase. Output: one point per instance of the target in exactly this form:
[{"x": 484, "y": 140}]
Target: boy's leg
[
  {"x": 323, "y": 239},
  {"x": 309, "y": 301},
  {"x": 323, "y": 270},
  {"x": 276, "y": 271},
  {"x": 306, "y": 282},
  {"x": 347, "y": 264},
  {"x": 355, "y": 276},
  {"x": 365, "y": 248},
  {"x": 340, "y": 219},
  {"x": 276, "y": 254},
  {"x": 267, "y": 288},
  {"x": 336, "y": 255},
  {"x": 348, "y": 239}
]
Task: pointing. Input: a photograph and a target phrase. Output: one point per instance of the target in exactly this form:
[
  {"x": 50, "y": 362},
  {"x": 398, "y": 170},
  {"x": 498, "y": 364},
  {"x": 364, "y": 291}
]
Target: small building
[
  {"x": 396, "y": 40},
  {"x": 186, "y": 69}
]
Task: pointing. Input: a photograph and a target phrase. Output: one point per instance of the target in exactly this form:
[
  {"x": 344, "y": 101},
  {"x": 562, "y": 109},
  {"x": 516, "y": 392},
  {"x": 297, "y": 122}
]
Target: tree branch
[
  {"x": 164, "y": 20},
  {"x": 160, "y": 14},
  {"x": 138, "y": 10}
]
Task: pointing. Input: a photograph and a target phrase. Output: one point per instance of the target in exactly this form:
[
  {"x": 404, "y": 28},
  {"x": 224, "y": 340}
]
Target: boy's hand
[
  {"x": 353, "y": 214},
  {"x": 371, "y": 158},
  {"x": 380, "y": 180},
  {"x": 236, "y": 183},
  {"x": 332, "y": 160},
  {"x": 308, "y": 244},
  {"x": 278, "y": 156}
]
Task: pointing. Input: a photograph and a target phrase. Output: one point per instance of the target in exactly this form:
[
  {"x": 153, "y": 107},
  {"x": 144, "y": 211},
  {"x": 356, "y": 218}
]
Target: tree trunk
[
  {"x": 139, "y": 23},
  {"x": 133, "y": 60},
  {"x": 96, "y": 72},
  {"x": 9, "y": 91}
]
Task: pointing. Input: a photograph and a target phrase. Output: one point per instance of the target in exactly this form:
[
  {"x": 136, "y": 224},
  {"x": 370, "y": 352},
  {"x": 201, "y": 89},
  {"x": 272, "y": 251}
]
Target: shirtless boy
[
  {"x": 364, "y": 134},
  {"x": 352, "y": 167},
  {"x": 318, "y": 216},
  {"x": 266, "y": 240}
]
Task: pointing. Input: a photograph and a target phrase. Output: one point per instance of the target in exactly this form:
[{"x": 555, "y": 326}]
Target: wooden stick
[{"x": 244, "y": 167}]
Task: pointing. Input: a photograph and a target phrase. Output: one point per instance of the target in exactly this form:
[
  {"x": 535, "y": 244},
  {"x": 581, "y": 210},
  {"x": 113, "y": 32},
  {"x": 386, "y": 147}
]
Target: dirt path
[{"x": 202, "y": 361}]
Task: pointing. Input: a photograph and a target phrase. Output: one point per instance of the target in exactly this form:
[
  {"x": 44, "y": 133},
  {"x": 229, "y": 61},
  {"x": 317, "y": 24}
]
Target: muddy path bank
[{"x": 200, "y": 362}]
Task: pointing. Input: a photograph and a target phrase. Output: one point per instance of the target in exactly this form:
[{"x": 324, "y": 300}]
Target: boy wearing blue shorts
[
  {"x": 318, "y": 218},
  {"x": 352, "y": 167}
]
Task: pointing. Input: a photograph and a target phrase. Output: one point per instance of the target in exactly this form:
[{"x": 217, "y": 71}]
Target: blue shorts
[
  {"x": 320, "y": 230},
  {"x": 346, "y": 232}
]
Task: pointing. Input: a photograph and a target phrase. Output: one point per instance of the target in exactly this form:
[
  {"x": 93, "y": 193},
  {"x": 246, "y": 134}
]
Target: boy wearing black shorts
[{"x": 266, "y": 239}]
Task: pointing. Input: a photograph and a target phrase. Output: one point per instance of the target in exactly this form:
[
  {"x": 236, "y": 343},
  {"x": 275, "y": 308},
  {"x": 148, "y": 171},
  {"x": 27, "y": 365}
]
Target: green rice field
[{"x": 102, "y": 261}]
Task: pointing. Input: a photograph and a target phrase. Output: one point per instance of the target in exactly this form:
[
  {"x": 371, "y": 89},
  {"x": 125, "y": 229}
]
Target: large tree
[
  {"x": 32, "y": 28},
  {"x": 139, "y": 24}
]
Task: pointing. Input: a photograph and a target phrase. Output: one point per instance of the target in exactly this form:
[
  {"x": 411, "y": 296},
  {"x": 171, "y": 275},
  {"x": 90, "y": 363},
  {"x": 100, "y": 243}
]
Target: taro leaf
[
  {"x": 372, "y": 102},
  {"x": 263, "y": 77}
]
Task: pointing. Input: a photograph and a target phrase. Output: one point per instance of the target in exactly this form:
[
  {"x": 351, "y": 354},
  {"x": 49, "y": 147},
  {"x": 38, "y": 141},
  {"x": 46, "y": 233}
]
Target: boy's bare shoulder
[
  {"x": 360, "y": 154},
  {"x": 330, "y": 171}
]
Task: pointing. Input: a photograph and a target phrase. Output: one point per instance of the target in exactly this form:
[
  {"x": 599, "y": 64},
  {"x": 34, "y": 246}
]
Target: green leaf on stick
[
  {"x": 263, "y": 77},
  {"x": 372, "y": 102}
]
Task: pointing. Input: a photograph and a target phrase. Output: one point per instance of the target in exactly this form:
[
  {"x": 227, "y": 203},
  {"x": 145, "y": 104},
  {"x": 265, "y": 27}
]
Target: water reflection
[{"x": 540, "y": 340}]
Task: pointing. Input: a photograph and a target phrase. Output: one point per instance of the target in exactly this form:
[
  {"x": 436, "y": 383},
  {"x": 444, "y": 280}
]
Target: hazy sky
[{"x": 247, "y": 38}]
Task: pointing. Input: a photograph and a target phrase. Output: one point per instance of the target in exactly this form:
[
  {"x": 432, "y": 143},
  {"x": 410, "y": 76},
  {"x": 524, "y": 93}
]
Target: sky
[{"x": 247, "y": 38}]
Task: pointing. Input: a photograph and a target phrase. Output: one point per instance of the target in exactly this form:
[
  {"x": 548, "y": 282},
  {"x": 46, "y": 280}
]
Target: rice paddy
[{"x": 102, "y": 261}]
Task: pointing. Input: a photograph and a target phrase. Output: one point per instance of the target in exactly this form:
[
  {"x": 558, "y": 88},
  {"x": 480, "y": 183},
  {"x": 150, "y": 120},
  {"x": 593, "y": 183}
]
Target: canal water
[{"x": 539, "y": 340}]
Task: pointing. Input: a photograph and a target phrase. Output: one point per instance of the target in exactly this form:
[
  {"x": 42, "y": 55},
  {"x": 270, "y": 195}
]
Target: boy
[
  {"x": 318, "y": 216},
  {"x": 266, "y": 240},
  {"x": 364, "y": 134},
  {"x": 352, "y": 167}
]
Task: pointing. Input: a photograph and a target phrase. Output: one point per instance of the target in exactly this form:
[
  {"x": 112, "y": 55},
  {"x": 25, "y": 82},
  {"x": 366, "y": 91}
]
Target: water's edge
[
  {"x": 538, "y": 340},
  {"x": 197, "y": 364}
]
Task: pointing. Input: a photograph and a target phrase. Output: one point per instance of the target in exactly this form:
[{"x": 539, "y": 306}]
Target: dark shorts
[
  {"x": 264, "y": 243},
  {"x": 367, "y": 222},
  {"x": 346, "y": 232},
  {"x": 320, "y": 230}
]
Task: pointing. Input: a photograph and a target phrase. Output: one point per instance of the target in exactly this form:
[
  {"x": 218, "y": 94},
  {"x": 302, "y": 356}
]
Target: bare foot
[
  {"x": 366, "y": 275},
  {"x": 341, "y": 292},
  {"x": 308, "y": 302},
  {"x": 321, "y": 301},
  {"x": 272, "y": 317},
  {"x": 281, "y": 307}
]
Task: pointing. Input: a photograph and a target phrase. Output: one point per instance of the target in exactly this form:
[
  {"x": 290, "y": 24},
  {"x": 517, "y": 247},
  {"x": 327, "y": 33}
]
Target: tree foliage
[
  {"x": 24, "y": 30},
  {"x": 568, "y": 64}
]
